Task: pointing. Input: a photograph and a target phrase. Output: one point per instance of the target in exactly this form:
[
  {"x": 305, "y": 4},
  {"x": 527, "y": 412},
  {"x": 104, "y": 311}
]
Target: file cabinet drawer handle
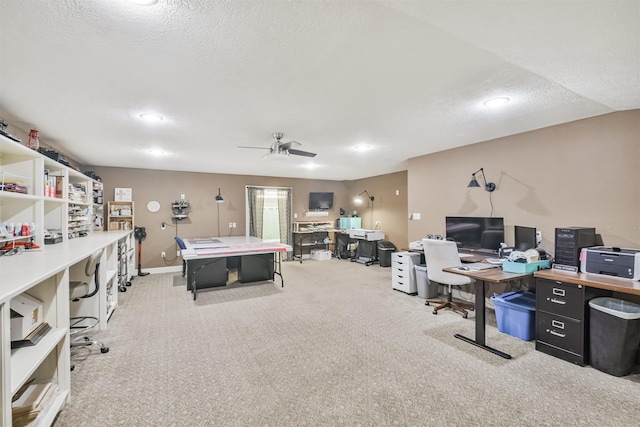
[
  {"x": 559, "y": 292},
  {"x": 557, "y": 324},
  {"x": 558, "y": 301},
  {"x": 558, "y": 334}
]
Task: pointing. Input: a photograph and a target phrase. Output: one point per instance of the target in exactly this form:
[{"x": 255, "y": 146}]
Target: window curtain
[
  {"x": 285, "y": 202},
  {"x": 255, "y": 199}
]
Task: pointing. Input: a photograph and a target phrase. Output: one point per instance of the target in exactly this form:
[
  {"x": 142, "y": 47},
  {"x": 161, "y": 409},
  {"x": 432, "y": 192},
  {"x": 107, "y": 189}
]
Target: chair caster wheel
[
  {"x": 87, "y": 339},
  {"x": 426, "y": 303},
  {"x": 73, "y": 367},
  {"x": 128, "y": 283},
  {"x": 104, "y": 350},
  {"x": 435, "y": 311},
  {"x": 122, "y": 289},
  {"x": 464, "y": 316}
]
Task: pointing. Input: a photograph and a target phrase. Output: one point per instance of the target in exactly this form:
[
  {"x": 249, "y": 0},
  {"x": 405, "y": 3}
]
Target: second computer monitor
[{"x": 525, "y": 238}]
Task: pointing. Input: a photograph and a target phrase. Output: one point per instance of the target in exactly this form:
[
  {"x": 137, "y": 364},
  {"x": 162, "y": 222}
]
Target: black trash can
[
  {"x": 614, "y": 333},
  {"x": 385, "y": 248}
]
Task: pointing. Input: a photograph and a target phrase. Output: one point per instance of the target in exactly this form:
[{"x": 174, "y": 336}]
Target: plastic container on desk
[
  {"x": 525, "y": 268},
  {"x": 516, "y": 314}
]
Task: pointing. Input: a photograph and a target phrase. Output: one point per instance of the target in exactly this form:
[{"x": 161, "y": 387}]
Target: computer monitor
[
  {"x": 525, "y": 238},
  {"x": 475, "y": 233}
]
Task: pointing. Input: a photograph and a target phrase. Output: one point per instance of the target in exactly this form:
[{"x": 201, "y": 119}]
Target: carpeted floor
[{"x": 336, "y": 346}]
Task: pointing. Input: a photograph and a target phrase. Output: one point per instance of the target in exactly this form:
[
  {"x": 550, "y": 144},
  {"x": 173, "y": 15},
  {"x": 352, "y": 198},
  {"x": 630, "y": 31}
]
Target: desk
[
  {"x": 207, "y": 251},
  {"x": 562, "y": 310},
  {"x": 492, "y": 275}
]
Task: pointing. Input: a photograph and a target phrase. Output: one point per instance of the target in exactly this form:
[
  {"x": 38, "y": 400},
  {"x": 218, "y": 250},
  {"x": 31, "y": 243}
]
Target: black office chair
[
  {"x": 79, "y": 290},
  {"x": 182, "y": 247}
]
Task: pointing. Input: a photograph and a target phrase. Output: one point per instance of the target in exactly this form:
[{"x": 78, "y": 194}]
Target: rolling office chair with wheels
[
  {"x": 79, "y": 290},
  {"x": 441, "y": 254}
]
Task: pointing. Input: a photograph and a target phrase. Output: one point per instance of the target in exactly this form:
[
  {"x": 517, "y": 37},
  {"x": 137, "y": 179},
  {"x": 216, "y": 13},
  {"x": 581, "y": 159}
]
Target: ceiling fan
[{"x": 282, "y": 150}]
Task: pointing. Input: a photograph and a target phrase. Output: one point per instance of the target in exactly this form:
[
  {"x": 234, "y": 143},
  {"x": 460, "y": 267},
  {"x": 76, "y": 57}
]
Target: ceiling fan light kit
[{"x": 281, "y": 150}]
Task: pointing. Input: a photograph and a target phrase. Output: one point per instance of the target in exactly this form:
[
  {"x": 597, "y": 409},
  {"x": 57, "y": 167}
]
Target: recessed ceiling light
[
  {"x": 151, "y": 117},
  {"x": 157, "y": 152},
  {"x": 144, "y": 2},
  {"x": 310, "y": 166},
  {"x": 495, "y": 102},
  {"x": 362, "y": 147}
]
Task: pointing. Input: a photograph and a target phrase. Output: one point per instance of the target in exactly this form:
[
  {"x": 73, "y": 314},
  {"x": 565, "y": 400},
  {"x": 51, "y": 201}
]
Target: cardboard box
[
  {"x": 320, "y": 254},
  {"x": 26, "y": 315}
]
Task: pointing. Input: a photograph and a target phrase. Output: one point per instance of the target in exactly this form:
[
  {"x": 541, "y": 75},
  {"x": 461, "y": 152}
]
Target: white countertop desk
[
  {"x": 45, "y": 274},
  {"x": 201, "y": 248}
]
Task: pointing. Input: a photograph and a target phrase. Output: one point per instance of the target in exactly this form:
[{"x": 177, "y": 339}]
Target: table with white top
[{"x": 259, "y": 260}]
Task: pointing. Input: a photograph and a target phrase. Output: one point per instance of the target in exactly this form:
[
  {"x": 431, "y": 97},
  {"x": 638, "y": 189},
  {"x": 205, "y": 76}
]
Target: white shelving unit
[{"x": 27, "y": 197}]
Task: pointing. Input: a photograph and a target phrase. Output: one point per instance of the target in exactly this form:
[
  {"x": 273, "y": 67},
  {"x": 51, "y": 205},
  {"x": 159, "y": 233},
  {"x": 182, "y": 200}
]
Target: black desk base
[
  {"x": 480, "y": 326},
  {"x": 213, "y": 272}
]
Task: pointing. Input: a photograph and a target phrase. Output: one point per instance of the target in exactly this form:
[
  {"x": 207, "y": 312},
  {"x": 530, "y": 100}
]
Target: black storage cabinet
[
  {"x": 385, "y": 248},
  {"x": 614, "y": 334}
]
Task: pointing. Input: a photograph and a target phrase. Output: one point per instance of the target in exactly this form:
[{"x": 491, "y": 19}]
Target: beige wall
[
  {"x": 583, "y": 173},
  {"x": 200, "y": 190}
]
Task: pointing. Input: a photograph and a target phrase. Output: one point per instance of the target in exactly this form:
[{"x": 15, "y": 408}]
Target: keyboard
[{"x": 496, "y": 261}]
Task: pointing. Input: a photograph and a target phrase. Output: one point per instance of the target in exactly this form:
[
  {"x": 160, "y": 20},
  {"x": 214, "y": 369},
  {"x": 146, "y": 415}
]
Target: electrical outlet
[
  {"x": 178, "y": 253},
  {"x": 163, "y": 226},
  {"x": 377, "y": 223},
  {"x": 163, "y": 254},
  {"x": 234, "y": 225},
  {"x": 538, "y": 238},
  {"x": 230, "y": 225}
]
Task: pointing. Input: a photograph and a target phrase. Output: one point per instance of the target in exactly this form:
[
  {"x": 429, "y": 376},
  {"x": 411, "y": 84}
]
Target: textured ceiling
[{"x": 407, "y": 78}]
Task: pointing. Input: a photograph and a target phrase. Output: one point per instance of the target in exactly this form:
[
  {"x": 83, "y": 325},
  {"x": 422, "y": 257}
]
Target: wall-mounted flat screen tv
[
  {"x": 475, "y": 233},
  {"x": 320, "y": 201}
]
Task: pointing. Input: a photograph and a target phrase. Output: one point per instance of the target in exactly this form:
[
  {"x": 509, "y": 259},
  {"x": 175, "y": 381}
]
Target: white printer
[
  {"x": 610, "y": 261},
  {"x": 368, "y": 235}
]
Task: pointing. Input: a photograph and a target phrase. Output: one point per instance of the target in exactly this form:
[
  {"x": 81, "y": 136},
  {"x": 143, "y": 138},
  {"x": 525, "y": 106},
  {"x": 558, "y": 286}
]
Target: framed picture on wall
[{"x": 123, "y": 195}]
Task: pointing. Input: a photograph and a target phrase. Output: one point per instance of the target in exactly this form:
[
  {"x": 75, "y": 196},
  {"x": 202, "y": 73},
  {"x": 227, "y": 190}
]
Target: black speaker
[{"x": 569, "y": 243}]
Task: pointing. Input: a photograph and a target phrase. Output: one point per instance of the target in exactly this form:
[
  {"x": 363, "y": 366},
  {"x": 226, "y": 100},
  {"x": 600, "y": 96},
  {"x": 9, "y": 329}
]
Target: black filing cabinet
[{"x": 562, "y": 319}]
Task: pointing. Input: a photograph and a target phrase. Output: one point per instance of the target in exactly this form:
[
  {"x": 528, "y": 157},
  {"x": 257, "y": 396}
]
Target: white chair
[
  {"x": 441, "y": 254},
  {"x": 79, "y": 290}
]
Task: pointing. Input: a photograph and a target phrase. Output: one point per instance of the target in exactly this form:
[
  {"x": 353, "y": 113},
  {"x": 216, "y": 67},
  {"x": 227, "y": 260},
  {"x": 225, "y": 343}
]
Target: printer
[
  {"x": 611, "y": 261},
  {"x": 368, "y": 235}
]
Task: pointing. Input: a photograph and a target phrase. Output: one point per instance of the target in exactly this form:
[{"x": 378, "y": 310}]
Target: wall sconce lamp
[
  {"x": 219, "y": 198},
  {"x": 489, "y": 186},
  {"x": 358, "y": 199}
]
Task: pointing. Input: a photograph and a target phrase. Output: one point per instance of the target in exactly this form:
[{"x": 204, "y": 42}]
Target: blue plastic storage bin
[{"x": 516, "y": 314}]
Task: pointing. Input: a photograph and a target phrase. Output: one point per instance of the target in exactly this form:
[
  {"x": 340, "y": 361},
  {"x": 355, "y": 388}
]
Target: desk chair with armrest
[
  {"x": 441, "y": 254},
  {"x": 79, "y": 290}
]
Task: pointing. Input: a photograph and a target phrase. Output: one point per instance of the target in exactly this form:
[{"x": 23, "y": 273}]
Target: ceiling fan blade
[
  {"x": 301, "y": 153},
  {"x": 259, "y": 148},
  {"x": 288, "y": 145}
]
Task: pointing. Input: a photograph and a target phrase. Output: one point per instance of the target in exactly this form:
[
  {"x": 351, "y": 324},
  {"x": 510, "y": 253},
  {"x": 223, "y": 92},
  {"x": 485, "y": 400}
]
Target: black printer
[{"x": 611, "y": 261}]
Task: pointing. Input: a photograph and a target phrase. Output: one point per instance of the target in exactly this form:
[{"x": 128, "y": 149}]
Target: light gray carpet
[{"x": 336, "y": 346}]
